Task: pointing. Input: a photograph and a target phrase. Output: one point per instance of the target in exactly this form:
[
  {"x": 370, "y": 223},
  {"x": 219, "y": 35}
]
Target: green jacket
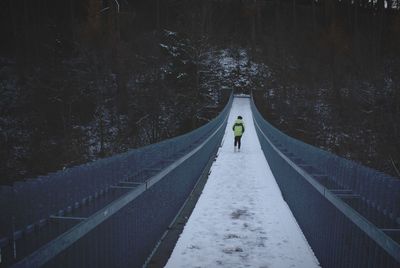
[{"x": 238, "y": 127}]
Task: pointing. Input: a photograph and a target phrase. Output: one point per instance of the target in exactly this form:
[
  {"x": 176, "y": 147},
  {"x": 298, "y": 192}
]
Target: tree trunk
[
  {"x": 204, "y": 15},
  {"x": 356, "y": 11},
  {"x": 72, "y": 19},
  {"x": 294, "y": 15},
  {"x": 123, "y": 97},
  {"x": 329, "y": 13},
  {"x": 356, "y": 32},
  {"x": 314, "y": 17},
  {"x": 379, "y": 33},
  {"x": 101, "y": 126},
  {"x": 277, "y": 29},
  {"x": 158, "y": 14},
  {"x": 253, "y": 18}
]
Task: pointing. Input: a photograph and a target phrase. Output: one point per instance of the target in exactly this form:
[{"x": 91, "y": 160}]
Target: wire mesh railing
[
  {"x": 350, "y": 214},
  {"x": 108, "y": 213}
]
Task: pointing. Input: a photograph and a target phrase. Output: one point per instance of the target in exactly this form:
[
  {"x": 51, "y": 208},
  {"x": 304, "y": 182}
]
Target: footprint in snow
[
  {"x": 230, "y": 236},
  {"x": 232, "y": 250},
  {"x": 239, "y": 213}
]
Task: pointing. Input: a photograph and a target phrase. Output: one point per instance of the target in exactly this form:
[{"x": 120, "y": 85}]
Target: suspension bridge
[{"x": 276, "y": 203}]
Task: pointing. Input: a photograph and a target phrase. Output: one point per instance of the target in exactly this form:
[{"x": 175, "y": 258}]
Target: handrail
[
  {"x": 62, "y": 242},
  {"x": 27, "y": 203},
  {"x": 387, "y": 243}
]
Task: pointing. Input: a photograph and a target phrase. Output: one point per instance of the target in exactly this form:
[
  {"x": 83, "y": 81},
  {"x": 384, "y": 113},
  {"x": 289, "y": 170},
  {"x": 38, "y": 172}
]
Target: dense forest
[{"x": 85, "y": 79}]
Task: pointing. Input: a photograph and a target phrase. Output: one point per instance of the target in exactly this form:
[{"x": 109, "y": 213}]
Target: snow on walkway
[{"x": 241, "y": 219}]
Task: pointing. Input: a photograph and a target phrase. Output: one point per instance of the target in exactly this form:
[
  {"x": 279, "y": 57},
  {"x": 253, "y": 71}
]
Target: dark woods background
[{"x": 83, "y": 79}]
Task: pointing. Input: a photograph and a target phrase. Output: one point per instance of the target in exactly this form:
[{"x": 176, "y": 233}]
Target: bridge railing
[
  {"x": 108, "y": 213},
  {"x": 350, "y": 214}
]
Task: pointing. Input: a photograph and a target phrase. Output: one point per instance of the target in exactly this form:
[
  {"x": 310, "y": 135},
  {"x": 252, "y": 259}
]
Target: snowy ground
[{"x": 241, "y": 219}]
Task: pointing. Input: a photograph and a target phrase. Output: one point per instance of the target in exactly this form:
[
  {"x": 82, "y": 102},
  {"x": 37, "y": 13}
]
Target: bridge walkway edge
[{"x": 166, "y": 245}]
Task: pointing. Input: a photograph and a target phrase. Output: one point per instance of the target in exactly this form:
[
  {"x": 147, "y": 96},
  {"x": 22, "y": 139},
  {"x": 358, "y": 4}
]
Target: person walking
[{"x": 238, "y": 130}]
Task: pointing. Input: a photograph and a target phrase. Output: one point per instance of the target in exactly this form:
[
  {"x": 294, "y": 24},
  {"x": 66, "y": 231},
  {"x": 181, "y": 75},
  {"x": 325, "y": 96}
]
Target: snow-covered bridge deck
[{"x": 241, "y": 219}]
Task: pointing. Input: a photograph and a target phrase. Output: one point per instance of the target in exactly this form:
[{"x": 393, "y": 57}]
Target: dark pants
[{"x": 237, "y": 141}]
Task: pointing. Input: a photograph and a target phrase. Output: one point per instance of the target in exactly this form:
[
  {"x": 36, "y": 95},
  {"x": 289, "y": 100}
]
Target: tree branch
[
  {"x": 394, "y": 166},
  {"x": 116, "y": 2}
]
